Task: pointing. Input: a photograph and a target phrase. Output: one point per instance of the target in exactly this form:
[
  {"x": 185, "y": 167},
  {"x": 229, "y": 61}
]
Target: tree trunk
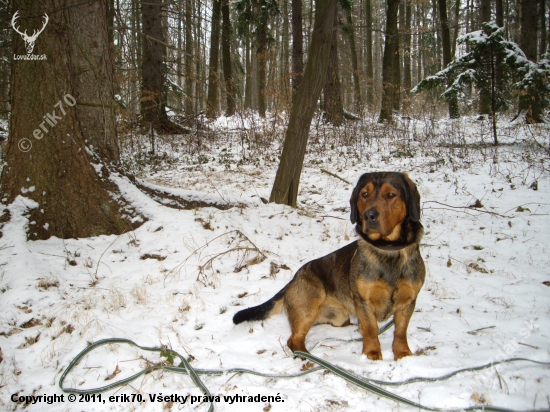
[
  {"x": 226, "y": 57},
  {"x": 285, "y": 57},
  {"x": 297, "y": 47},
  {"x": 542, "y": 15},
  {"x": 456, "y": 29},
  {"x": 249, "y": 85},
  {"x": 334, "y": 111},
  {"x": 189, "y": 75},
  {"x": 485, "y": 92},
  {"x": 261, "y": 55},
  {"x": 447, "y": 58},
  {"x": 388, "y": 74},
  {"x": 407, "y": 76},
  {"x": 153, "y": 91},
  {"x": 368, "y": 51},
  {"x": 397, "y": 64},
  {"x": 528, "y": 44},
  {"x": 285, "y": 187},
  {"x": 63, "y": 111},
  {"x": 350, "y": 31},
  {"x": 212, "y": 103}
]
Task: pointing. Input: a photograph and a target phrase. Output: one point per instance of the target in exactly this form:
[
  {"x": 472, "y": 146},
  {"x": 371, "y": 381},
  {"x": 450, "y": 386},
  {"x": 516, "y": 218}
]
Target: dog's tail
[{"x": 263, "y": 311}]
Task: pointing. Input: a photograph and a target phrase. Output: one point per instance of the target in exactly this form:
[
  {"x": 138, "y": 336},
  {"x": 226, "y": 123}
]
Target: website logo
[{"x": 29, "y": 40}]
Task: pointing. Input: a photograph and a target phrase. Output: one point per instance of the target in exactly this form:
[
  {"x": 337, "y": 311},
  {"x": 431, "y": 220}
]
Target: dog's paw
[
  {"x": 401, "y": 354},
  {"x": 372, "y": 355}
]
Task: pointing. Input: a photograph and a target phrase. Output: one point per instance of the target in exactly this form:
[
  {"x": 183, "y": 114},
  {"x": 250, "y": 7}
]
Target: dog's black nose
[{"x": 371, "y": 215}]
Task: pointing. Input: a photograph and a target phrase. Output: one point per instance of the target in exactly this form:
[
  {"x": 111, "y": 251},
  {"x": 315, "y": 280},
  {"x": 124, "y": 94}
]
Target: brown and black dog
[{"x": 375, "y": 277}]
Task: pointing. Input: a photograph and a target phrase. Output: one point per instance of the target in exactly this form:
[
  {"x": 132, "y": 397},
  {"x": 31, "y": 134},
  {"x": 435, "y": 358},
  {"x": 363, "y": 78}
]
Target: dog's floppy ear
[
  {"x": 354, "y": 214},
  {"x": 412, "y": 198}
]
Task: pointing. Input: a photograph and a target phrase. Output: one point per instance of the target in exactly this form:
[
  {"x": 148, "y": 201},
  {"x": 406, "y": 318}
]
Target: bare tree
[{"x": 287, "y": 180}]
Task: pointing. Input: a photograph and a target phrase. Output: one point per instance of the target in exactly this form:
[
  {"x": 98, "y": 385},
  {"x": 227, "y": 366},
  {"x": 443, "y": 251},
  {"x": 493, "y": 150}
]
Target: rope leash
[{"x": 365, "y": 383}]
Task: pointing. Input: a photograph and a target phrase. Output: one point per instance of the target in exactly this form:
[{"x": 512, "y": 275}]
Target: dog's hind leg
[{"x": 302, "y": 311}]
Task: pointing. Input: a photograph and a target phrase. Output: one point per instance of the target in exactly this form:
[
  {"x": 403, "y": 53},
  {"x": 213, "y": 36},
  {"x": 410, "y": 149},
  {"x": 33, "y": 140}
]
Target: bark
[
  {"x": 447, "y": 57},
  {"x": 297, "y": 46},
  {"x": 334, "y": 110},
  {"x": 485, "y": 92},
  {"x": 407, "y": 75},
  {"x": 189, "y": 75},
  {"x": 388, "y": 74},
  {"x": 73, "y": 198},
  {"x": 350, "y": 31},
  {"x": 261, "y": 55},
  {"x": 153, "y": 90},
  {"x": 212, "y": 102},
  {"x": 248, "y": 88},
  {"x": 397, "y": 64},
  {"x": 285, "y": 54},
  {"x": 369, "y": 44},
  {"x": 542, "y": 15},
  {"x": 456, "y": 28},
  {"x": 226, "y": 59},
  {"x": 285, "y": 187},
  {"x": 527, "y": 43}
]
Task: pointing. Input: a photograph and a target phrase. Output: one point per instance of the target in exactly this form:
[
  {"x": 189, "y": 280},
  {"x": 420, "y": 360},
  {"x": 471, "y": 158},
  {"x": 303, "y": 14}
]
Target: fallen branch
[{"x": 335, "y": 175}]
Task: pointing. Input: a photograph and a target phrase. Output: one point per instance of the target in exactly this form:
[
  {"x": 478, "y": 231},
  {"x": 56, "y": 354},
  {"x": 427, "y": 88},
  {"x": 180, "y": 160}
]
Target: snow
[{"x": 484, "y": 298}]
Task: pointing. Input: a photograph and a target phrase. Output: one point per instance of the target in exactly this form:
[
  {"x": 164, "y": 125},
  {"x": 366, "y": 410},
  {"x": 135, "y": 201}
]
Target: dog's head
[{"x": 381, "y": 202}]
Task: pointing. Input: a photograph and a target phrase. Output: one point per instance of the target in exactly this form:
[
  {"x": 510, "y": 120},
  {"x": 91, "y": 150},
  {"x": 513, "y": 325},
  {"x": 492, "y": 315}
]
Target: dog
[{"x": 373, "y": 278}]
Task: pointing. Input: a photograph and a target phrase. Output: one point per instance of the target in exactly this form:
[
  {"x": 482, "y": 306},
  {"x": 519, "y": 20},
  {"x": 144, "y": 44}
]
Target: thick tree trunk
[
  {"x": 226, "y": 57},
  {"x": 447, "y": 58},
  {"x": 350, "y": 31},
  {"x": 287, "y": 180},
  {"x": 334, "y": 110},
  {"x": 63, "y": 111},
  {"x": 212, "y": 102},
  {"x": 388, "y": 74},
  {"x": 153, "y": 91},
  {"x": 528, "y": 44},
  {"x": 297, "y": 46}
]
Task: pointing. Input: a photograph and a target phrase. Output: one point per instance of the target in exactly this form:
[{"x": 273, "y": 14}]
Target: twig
[
  {"x": 467, "y": 207},
  {"x": 334, "y": 217},
  {"x": 474, "y": 332},
  {"x": 108, "y": 247},
  {"x": 336, "y": 176},
  {"x": 526, "y": 344}
]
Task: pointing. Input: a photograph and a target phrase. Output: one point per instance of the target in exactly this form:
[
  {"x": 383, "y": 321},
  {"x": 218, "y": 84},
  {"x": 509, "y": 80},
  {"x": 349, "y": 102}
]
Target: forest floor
[{"x": 178, "y": 279}]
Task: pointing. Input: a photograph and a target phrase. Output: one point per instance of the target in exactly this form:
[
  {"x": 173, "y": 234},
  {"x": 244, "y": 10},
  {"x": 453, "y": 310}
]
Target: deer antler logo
[{"x": 29, "y": 40}]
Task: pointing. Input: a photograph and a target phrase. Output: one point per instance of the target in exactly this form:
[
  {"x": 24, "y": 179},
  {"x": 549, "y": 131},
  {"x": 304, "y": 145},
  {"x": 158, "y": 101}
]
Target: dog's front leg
[
  {"x": 369, "y": 330},
  {"x": 372, "y": 302},
  {"x": 404, "y": 300}
]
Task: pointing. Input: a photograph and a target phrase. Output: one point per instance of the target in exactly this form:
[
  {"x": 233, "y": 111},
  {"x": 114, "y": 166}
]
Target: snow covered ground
[{"x": 179, "y": 278}]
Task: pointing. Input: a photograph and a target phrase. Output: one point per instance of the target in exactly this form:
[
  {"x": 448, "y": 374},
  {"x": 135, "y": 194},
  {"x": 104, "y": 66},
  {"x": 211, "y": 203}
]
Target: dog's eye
[
  {"x": 364, "y": 195},
  {"x": 391, "y": 195}
]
